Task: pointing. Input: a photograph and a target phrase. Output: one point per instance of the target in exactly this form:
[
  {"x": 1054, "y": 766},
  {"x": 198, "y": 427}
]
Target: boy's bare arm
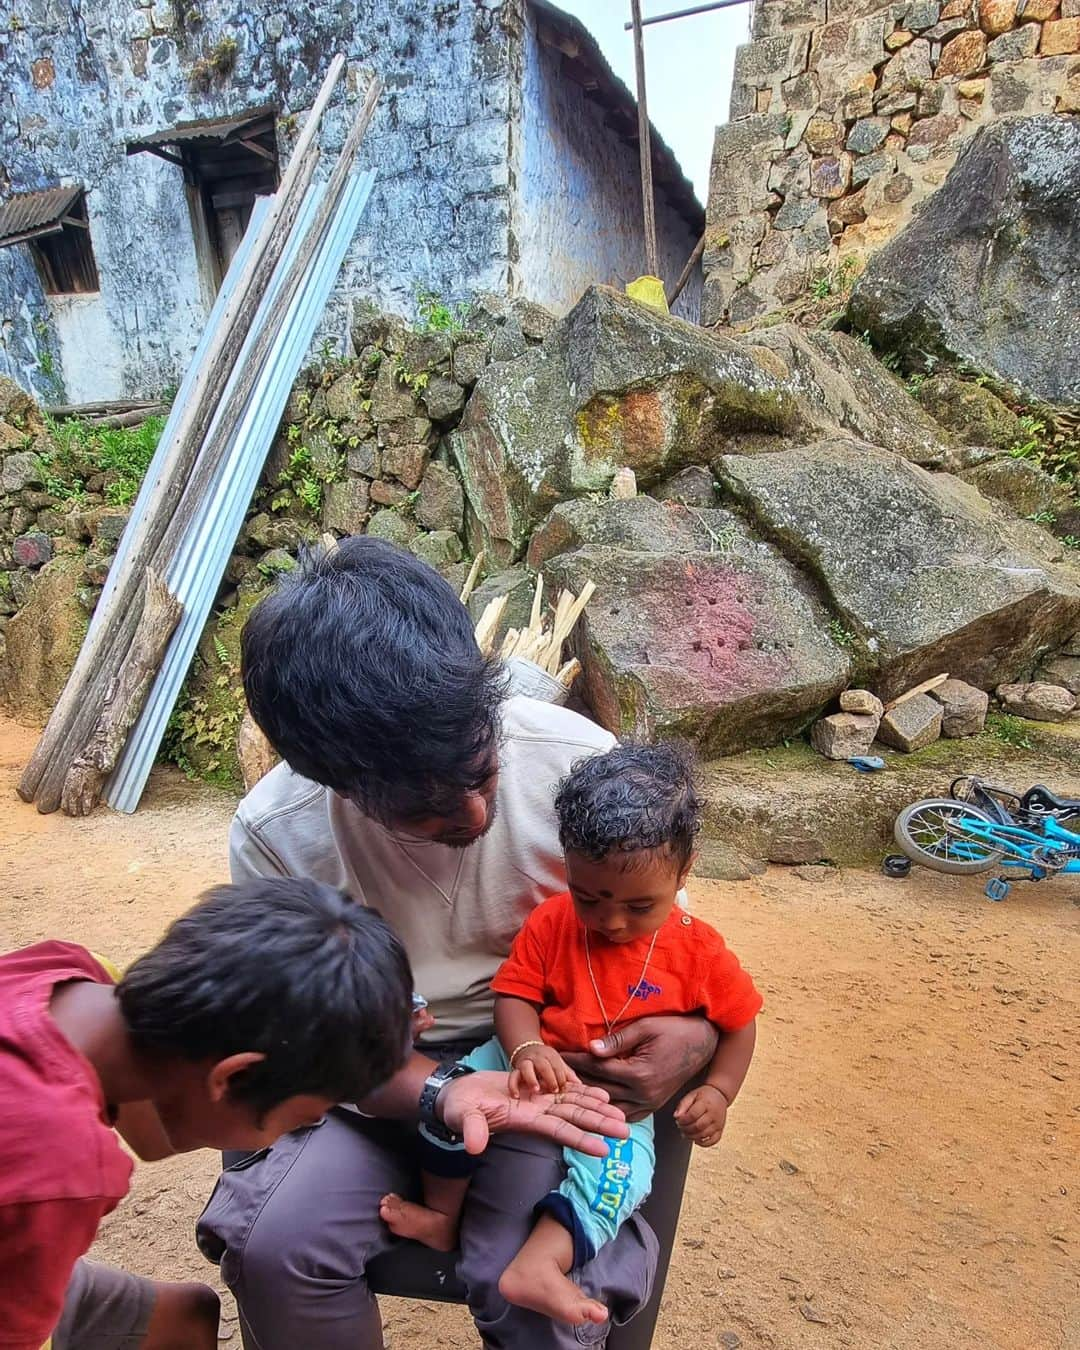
[{"x": 702, "y": 1113}]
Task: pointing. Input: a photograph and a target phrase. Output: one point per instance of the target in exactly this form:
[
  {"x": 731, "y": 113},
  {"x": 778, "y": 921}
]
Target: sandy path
[{"x": 901, "y": 1171}]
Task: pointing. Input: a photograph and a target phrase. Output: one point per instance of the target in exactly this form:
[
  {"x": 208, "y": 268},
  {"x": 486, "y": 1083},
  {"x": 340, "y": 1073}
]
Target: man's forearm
[
  {"x": 399, "y": 1097},
  {"x": 731, "y": 1062}
]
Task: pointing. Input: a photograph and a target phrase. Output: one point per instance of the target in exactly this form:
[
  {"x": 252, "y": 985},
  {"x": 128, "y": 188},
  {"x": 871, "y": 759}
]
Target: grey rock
[
  {"x": 912, "y": 726},
  {"x": 265, "y": 531},
  {"x": 19, "y": 470},
  {"x": 867, "y": 135},
  {"x": 518, "y": 585},
  {"x": 843, "y": 734},
  {"x": 345, "y": 506},
  {"x": 32, "y": 550},
  {"x": 443, "y": 398},
  {"x": 392, "y": 526},
  {"x": 922, "y": 568},
  {"x": 985, "y": 274},
  {"x": 390, "y": 398},
  {"x": 345, "y": 399},
  {"x": 636, "y": 524},
  {"x": 1038, "y": 702},
  {"x": 1062, "y": 670},
  {"x": 440, "y": 549},
  {"x": 920, "y": 15},
  {"x": 963, "y": 708},
  {"x": 468, "y": 361},
  {"x": 693, "y": 486},
  {"x": 363, "y": 458},
  {"x": 1018, "y": 45},
  {"x": 441, "y": 504},
  {"x": 973, "y": 412}
]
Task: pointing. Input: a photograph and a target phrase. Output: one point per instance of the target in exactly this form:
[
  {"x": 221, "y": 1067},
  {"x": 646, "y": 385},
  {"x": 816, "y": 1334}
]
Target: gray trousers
[{"x": 294, "y": 1228}]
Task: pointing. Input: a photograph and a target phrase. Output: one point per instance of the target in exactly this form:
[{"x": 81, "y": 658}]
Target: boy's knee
[{"x": 185, "y": 1317}]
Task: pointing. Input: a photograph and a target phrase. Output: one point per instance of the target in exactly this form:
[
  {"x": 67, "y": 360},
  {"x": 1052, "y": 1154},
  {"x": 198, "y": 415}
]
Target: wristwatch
[{"x": 436, "y": 1080}]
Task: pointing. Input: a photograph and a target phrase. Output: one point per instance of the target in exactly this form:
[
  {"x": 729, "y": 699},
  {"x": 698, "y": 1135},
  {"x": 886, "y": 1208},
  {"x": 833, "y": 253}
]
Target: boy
[
  {"x": 614, "y": 948},
  {"x": 257, "y": 1011}
]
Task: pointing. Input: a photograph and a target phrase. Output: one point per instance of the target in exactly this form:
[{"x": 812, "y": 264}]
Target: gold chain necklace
[{"x": 612, "y": 1022}]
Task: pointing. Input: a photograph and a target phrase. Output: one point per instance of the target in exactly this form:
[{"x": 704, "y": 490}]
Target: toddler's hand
[
  {"x": 702, "y": 1114},
  {"x": 538, "y": 1068}
]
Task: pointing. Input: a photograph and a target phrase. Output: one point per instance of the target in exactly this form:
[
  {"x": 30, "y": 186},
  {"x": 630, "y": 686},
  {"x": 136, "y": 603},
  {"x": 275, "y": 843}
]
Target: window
[{"x": 55, "y": 227}]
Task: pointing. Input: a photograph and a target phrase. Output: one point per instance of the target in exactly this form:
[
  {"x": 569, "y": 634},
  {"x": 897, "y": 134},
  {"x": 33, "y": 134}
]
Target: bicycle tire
[{"x": 924, "y": 856}]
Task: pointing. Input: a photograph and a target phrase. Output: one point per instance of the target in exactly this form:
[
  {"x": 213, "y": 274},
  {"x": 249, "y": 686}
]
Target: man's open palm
[{"x": 479, "y": 1105}]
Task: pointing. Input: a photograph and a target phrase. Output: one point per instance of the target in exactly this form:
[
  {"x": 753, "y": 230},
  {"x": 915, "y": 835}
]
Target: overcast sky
[{"x": 688, "y": 66}]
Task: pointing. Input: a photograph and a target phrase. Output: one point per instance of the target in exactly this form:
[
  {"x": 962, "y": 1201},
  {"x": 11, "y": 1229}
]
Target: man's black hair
[
  {"x": 636, "y": 798},
  {"x": 293, "y": 969},
  {"x": 363, "y": 671}
]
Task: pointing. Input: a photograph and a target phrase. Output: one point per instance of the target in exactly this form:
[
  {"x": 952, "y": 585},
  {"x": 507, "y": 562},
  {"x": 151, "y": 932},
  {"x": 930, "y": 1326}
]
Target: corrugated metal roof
[
  {"x": 210, "y": 130},
  {"x": 30, "y": 213}
]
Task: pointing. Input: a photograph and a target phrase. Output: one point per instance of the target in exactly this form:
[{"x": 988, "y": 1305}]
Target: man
[{"x": 413, "y": 781}]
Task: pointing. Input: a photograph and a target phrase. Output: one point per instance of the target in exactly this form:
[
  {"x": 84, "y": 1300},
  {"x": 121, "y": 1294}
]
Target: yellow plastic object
[{"x": 648, "y": 291}]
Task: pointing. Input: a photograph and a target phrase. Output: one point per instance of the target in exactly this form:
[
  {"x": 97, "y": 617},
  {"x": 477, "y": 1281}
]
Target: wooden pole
[
  {"x": 124, "y": 700},
  {"x": 209, "y": 460},
  {"x": 186, "y": 442},
  {"x": 648, "y": 202},
  {"x": 687, "y": 272}
]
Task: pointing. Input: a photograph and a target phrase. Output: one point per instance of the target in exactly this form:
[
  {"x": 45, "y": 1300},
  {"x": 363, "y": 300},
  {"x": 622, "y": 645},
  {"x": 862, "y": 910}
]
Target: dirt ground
[{"x": 900, "y": 1171}]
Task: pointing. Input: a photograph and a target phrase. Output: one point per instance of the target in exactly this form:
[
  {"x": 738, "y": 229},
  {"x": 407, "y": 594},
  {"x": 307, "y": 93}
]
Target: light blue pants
[{"x": 599, "y": 1194}]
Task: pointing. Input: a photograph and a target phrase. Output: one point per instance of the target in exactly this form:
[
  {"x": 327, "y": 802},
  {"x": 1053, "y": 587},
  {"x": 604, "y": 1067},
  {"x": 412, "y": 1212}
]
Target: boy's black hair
[
  {"x": 362, "y": 669},
  {"x": 294, "y": 969},
  {"x": 634, "y": 798}
]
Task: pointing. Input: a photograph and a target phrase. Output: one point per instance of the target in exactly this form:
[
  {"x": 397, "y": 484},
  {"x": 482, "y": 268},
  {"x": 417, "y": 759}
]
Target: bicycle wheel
[{"x": 931, "y": 832}]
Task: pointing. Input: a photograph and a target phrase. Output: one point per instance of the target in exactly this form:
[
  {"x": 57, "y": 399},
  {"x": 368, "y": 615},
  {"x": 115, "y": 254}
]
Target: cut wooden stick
[
  {"x": 124, "y": 701},
  {"x": 488, "y": 623},
  {"x": 117, "y": 623},
  {"x": 470, "y": 580},
  {"x": 536, "y": 616},
  {"x": 923, "y": 688},
  {"x": 569, "y": 673},
  {"x": 562, "y": 629}
]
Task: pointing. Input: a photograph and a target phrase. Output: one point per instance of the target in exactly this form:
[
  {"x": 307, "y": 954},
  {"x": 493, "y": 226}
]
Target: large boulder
[
  {"x": 723, "y": 643},
  {"x": 986, "y": 273},
  {"x": 924, "y": 573},
  {"x": 614, "y": 384}
]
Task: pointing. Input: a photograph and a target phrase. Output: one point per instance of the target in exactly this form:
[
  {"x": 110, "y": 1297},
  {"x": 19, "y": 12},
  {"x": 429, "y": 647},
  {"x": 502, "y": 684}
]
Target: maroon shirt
[{"x": 61, "y": 1165}]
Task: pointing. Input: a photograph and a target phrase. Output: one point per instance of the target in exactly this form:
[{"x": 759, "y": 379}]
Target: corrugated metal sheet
[
  {"x": 197, "y": 569},
  {"x": 213, "y": 131},
  {"x": 30, "y": 213}
]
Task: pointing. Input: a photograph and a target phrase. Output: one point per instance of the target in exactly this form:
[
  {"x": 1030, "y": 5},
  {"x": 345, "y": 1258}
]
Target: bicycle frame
[{"x": 1021, "y": 847}]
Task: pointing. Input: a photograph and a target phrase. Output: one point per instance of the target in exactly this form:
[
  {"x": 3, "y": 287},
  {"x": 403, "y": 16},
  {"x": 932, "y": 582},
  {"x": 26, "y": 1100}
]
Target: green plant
[
  {"x": 915, "y": 382},
  {"x": 304, "y": 476},
  {"x": 1071, "y": 540},
  {"x": 843, "y": 637},
  {"x": 1010, "y": 730},
  {"x": 1056, "y": 453},
  {"x": 414, "y": 380},
  {"x": 1042, "y": 517},
  {"x": 216, "y": 64},
  {"x": 434, "y": 315},
  {"x": 204, "y": 725},
  {"x": 123, "y": 454}
]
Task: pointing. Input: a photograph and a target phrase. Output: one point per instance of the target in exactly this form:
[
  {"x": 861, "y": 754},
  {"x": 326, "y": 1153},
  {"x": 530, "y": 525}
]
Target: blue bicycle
[{"x": 982, "y": 826}]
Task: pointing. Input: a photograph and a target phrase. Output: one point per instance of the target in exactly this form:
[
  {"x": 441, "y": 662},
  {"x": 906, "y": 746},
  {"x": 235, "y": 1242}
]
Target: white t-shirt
[{"x": 457, "y": 910}]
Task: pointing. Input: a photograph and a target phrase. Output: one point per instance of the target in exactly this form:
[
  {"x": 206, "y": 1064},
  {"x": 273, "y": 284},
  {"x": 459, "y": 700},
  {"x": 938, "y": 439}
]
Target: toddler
[{"x": 615, "y": 947}]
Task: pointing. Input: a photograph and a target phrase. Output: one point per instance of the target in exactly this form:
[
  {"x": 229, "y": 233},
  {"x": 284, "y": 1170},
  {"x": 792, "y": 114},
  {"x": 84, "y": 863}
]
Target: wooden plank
[
  {"x": 124, "y": 699},
  {"x": 923, "y": 688},
  {"x": 106, "y": 645},
  {"x": 687, "y": 272}
]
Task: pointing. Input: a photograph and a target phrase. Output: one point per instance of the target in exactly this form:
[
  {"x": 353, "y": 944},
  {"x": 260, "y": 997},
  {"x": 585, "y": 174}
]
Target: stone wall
[{"x": 846, "y": 115}]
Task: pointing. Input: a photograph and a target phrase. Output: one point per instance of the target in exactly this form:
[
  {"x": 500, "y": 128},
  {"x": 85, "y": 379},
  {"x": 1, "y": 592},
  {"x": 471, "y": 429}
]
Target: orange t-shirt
[{"x": 691, "y": 971}]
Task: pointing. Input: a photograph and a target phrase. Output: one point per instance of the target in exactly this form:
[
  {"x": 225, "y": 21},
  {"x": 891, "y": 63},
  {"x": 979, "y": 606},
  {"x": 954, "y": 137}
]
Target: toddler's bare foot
[
  {"x": 419, "y": 1223},
  {"x": 541, "y": 1286}
]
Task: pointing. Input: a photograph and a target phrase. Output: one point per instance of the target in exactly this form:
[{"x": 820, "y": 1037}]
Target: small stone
[
  {"x": 997, "y": 16},
  {"x": 829, "y": 176},
  {"x": 910, "y": 68},
  {"x": 973, "y": 89},
  {"x": 970, "y": 108},
  {"x": 963, "y": 708},
  {"x": 762, "y": 100},
  {"x": 109, "y": 525},
  {"x": 363, "y": 459},
  {"x": 345, "y": 506},
  {"x": 387, "y": 494},
  {"x": 867, "y": 135},
  {"x": 392, "y": 526},
  {"x": 391, "y": 399},
  {"x": 859, "y": 103},
  {"x": 694, "y": 486},
  {"x": 904, "y": 100},
  {"x": 406, "y": 463},
  {"x": 931, "y": 99},
  {"x": 32, "y": 550},
  {"x": 345, "y": 398},
  {"x": 965, "y": 54},
  {"x": 934, "y": 131},
  {"x": 943, "y": 31},
  {"x": 912, "y": 725},
  {"x": 729, "y": 1340},
  {"x": 871, "y": 165},
  {"x": 1062, "y": 670},
  {"x": 823, "y": 136},
  {"x": 468, "y": 362},
  {"x": 793, "y": 215},
  {"x": 1060, "y": 37},
  {"x": 20, "y": 470},
  {"x": 900, "y": 38},
  {"x": 849, "y": 210},
  {"x": 843, "y": 735},
  {"x": 922, "y": 14},
  {"x": 862, "y": 701},
  {"x": 1036, "y": 9},
  {"x": 1037, "y": 702},
  {"x": 404, "y": 431},
  {"x": 440, "y": 549},
  {"x": 955, "y": 8},
  {"x": 1018, "y": 45},
  {"x": 441, "y": 503},
  {"x": 811, "y": 872},
  {"x": 442, "y": 399},
  {"x": 901, "y": 123}
]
